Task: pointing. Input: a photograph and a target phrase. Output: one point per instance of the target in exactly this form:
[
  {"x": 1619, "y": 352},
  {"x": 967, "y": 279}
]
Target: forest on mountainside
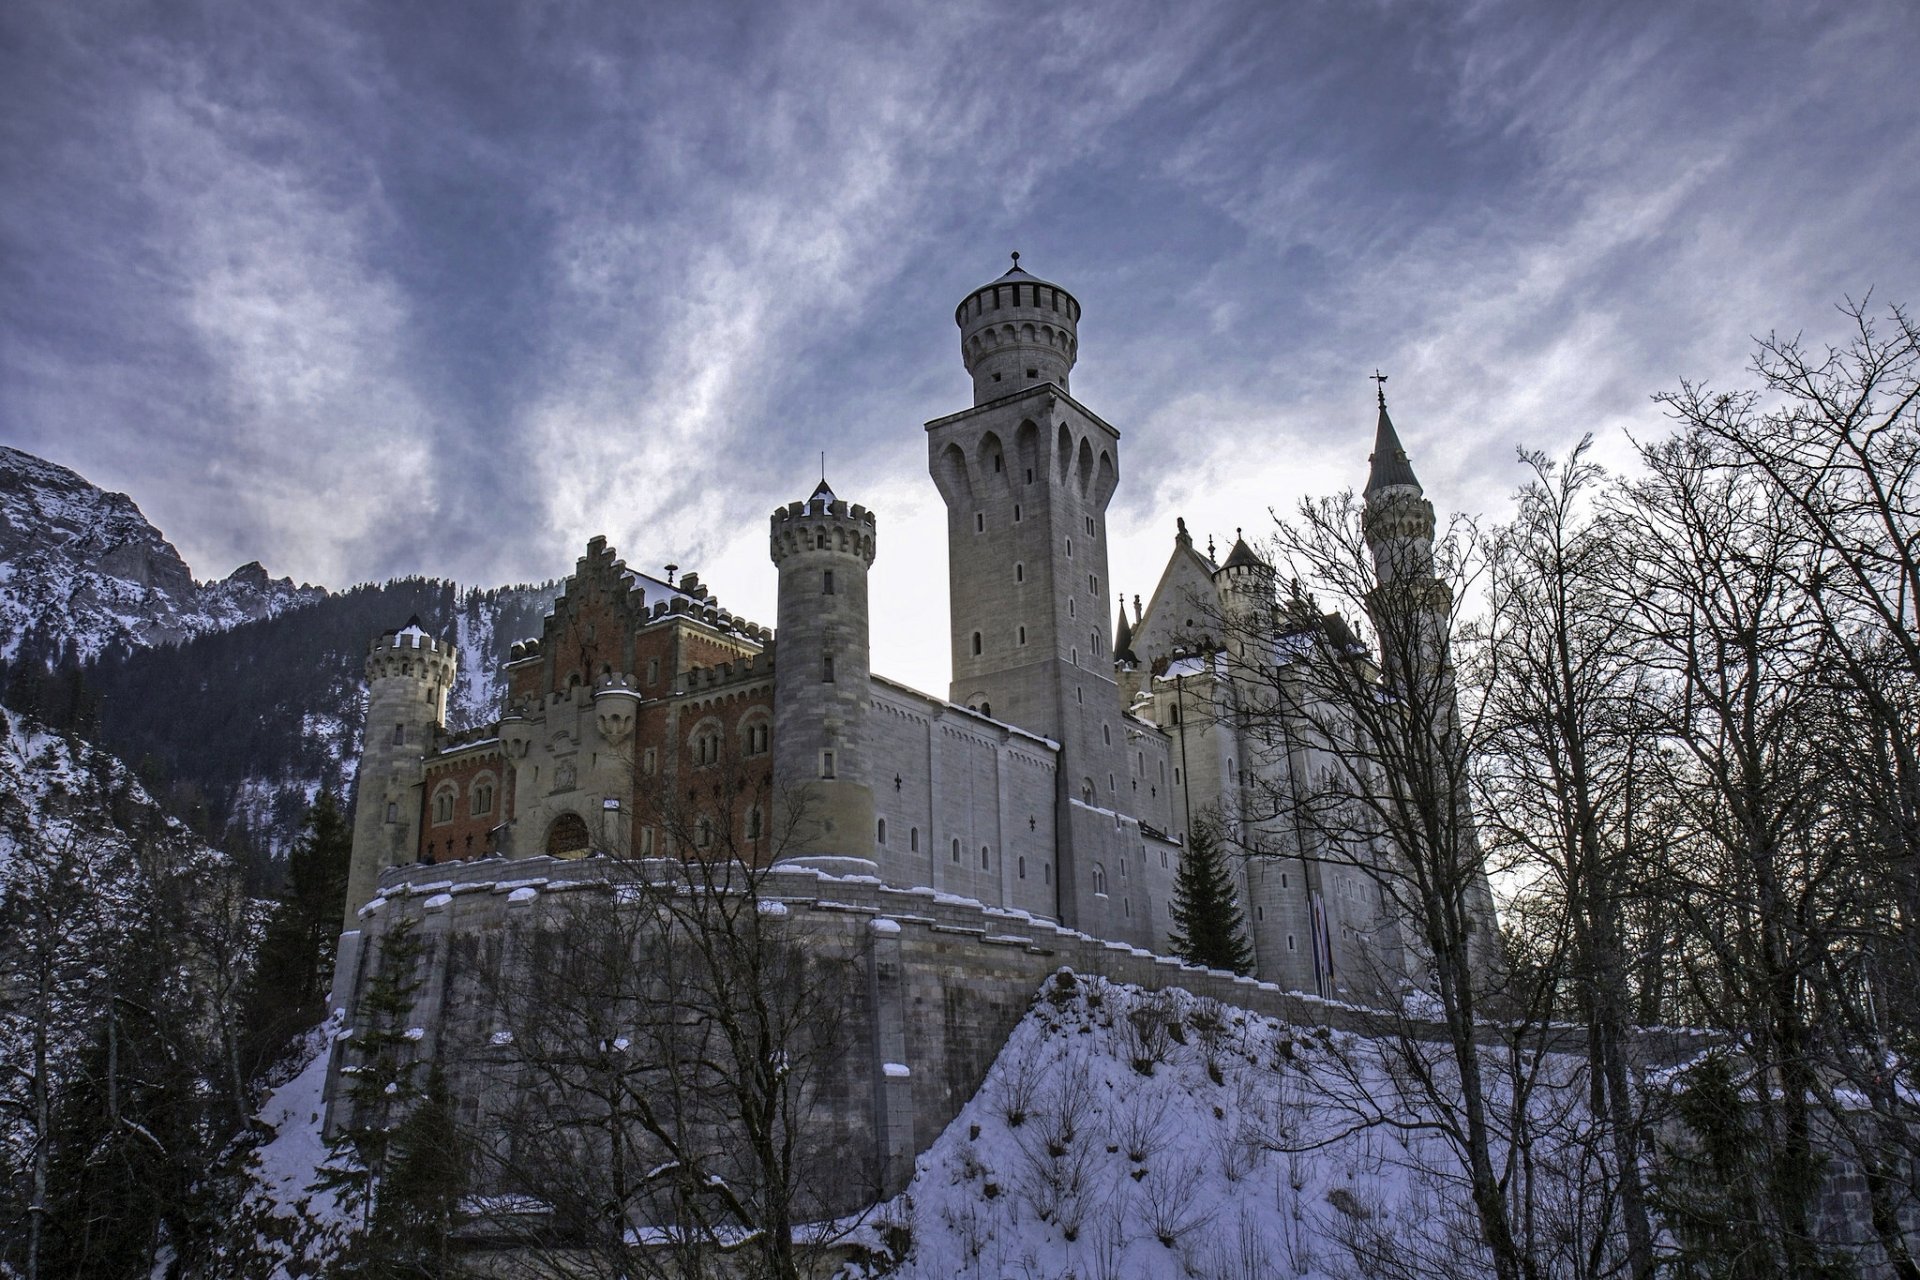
[{"x": 237, "y": 730}]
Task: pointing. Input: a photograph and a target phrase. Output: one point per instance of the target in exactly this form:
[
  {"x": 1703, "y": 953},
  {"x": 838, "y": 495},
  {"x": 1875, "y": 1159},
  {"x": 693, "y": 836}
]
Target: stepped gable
[{"x": 590, "y": 637}]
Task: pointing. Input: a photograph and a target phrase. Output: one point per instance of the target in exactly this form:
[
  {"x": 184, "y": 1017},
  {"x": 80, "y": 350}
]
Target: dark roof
[
  {"x": 1339, "y": 634},
  {"x": 1390, "y": 465},
  {"x": 822, "y": 494},
  {"x": 1123, "y": 639},
  {"x": 1242, "y": 556},
  {"x": 1019, "y": 275}
]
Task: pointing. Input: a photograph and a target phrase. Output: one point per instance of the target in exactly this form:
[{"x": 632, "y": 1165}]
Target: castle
[{"x": 1061, "y": 775}]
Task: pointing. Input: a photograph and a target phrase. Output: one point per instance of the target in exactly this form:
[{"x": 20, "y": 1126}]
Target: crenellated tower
[
  {"x": 1026, "y": 474},
  {"x": 409, "y": 675},
  {"x": 823, "y": 548}
]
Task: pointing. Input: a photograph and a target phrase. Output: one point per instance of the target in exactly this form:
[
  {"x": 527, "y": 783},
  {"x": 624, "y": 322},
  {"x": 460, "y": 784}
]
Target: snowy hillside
[
  {"x": 82, "y": 570},
  {"x": 1123, "y": 1133}
]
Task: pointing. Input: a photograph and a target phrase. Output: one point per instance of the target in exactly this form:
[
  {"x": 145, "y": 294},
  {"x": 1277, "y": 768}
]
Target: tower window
[
  {"x": 1072, "y": 612},
  {"x": 1283, "y": 879},
  {"x": 1099, "y": 880},
  {"x": 976, "y": 644},
  {"x": 1029, "y": 475},
  {"x": 393, "y": 812},
  {"x": 820, "y": 541},
  {"x": 826, "y": 675},
  {"x": 1019, "y": 570},
  {"x": 956, "y": 848},
  {"x": 979, "y": 522},
  {"x": 826, "y": 585},
  {"x": 1069, "y": 548},
  {"x": 648, "y": 760},
  {"x": 913, "y": 839},
  {"x": 880, "y": 832},
  {"x": 754, "y": 823},
  {"x": 1023, "y": 635},
  {"x": 1016, "y": 509},
  {"x": 653, "y": 671},
  {"x": 986, "y": 860},
  {"x": 1046, "y": 872},
  {"x": 1106, "y": 734},
  {"x": 1079, "y": 694},
  {"x": 1093, "y": 584},
  {"x": 399, "y": 735},
  {"x": 1022, "y": 864},
  {"x": 1033, "y": 373},
  {"x": 826, "y": 764},
  {"x": 996, "y": 464}
]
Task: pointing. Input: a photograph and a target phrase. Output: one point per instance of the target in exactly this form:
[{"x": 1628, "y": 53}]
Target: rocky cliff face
[{"x": 82, "y": 570}]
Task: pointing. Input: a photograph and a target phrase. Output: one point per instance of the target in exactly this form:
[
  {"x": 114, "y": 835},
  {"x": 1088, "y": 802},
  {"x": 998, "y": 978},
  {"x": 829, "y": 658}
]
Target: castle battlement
[{"x": 823, "y": 523}]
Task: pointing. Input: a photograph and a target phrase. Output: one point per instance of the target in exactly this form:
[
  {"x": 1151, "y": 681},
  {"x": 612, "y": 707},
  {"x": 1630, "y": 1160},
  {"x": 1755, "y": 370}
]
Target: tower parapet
[
  {"x": 1016, "y": 332},
  {"x": 409, "y": 675},
  {"x": 822, "y": 686}
]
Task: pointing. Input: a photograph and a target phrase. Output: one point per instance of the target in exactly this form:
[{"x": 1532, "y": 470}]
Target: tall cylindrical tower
[
  {"x": 821, "y": 685},
  {"x": 1017, "y": 332},
  {"x": 409, "y": 675}
]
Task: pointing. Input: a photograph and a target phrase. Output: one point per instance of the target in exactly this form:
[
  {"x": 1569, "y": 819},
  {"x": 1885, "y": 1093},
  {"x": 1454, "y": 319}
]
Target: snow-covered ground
[
  {"x": 1123, "y": 1133},
  {"x": 294, "y": 1225}
]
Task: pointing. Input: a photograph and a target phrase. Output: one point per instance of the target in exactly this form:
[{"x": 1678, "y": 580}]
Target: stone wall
[{"x": 943, "y": 981}]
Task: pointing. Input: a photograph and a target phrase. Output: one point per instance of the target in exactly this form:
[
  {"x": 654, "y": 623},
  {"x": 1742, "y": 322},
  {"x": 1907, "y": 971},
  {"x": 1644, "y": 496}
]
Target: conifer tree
[
  {"x": 383, "y": 1076},
  {"x": 288, "y": 987},
  {"x": 1208, "y": 927}
]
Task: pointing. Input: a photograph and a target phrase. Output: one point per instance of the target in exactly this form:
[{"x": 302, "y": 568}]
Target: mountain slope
[{"x": 82, "y": 570}]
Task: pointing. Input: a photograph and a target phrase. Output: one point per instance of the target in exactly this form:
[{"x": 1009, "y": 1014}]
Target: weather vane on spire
[{"x": 1381, "y": 378}]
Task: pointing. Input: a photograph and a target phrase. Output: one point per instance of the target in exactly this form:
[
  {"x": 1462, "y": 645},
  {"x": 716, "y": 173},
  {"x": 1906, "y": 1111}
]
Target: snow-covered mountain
[{"x": 82, "y": 570}]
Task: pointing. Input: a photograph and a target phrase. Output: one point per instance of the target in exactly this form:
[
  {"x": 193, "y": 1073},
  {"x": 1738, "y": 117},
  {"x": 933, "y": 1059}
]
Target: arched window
[
  {"x": 706, "y": 742},
  {"x": 1019, "y": 572},
  {"x": 956, "y": 848},
  {"x": 443, "y": 803},
  {"x": 754, "y": 737},
  {"x": 913, "y": 839},
  {"x": 480, "y": 796},
  {"x": 1099, "y": 880},
  {"x": 567, "y": 837},
  {"x": 880, "y": 832},
  {"x": 986, "y": 859},
  {"x": 1022, "y": 864},
  {"x": 755, "y": 825},
  {"x": 976, "y": 644},
  {"x": 1086, "y": 790},
  {"x": 703, "y": 832}
]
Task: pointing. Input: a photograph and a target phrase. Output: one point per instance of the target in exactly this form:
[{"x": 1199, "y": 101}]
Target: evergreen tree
[
  {"x": 383, "y": 1093},
  {"x": 288, "y": 988},
  {"x": 1208, "y": 928}
]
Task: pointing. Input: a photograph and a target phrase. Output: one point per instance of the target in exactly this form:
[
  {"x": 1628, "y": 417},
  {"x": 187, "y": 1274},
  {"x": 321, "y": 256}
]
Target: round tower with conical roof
[
  {"x": 409, "y": 675},
  {"x": 823, "y": 548},
  {"x": 1016, "y": 332}
]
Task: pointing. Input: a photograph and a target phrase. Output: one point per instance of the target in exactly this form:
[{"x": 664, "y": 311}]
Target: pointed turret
[
  {"x": 1390, "y": 469},
  {"x": 1123, "y": 636}
]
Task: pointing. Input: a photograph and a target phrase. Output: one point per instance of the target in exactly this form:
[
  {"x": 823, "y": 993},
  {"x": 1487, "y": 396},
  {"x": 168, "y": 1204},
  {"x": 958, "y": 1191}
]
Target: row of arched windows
[{"x": 446, "y": 798}]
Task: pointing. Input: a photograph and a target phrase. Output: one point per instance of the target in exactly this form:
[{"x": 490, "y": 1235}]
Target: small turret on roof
[
  {"x": 1243, "y": 557},
  {"x": 1123, "y": 636}
]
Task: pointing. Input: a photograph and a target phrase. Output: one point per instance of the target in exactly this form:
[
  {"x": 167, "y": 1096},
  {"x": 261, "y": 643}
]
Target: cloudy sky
[{"x": 368, "y": 289}]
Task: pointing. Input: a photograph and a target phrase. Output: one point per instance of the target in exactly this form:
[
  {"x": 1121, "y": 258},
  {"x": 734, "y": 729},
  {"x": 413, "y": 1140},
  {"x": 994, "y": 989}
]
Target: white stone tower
[
  {"x": 409, "y": 675},
  {"x": 823, "y": 548},
  {"x": 1027, "y": 473}
]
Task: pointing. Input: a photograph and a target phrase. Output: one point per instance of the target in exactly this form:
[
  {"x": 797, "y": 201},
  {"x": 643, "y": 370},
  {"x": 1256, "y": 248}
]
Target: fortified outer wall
[{"x": 945, "y": 981}]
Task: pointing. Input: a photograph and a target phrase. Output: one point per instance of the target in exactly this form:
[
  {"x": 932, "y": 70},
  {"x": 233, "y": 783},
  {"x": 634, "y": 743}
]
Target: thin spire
[
  {"x": 1390, "y": 467},
  {"x": 1381, "y": 378}
]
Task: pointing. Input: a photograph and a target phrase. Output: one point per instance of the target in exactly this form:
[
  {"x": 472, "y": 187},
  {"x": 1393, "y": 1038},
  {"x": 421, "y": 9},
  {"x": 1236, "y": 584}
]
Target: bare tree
[
  {"x": 664, "y": 1039},
  {"x": 1367, "y": 762},
  {"x": 1562, "y": 768}
]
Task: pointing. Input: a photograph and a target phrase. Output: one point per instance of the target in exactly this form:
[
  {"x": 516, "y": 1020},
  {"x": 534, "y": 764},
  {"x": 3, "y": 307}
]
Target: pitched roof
[
  {"x": 1390, "y": 466},
  {"x": 1242, "y": 556}
]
